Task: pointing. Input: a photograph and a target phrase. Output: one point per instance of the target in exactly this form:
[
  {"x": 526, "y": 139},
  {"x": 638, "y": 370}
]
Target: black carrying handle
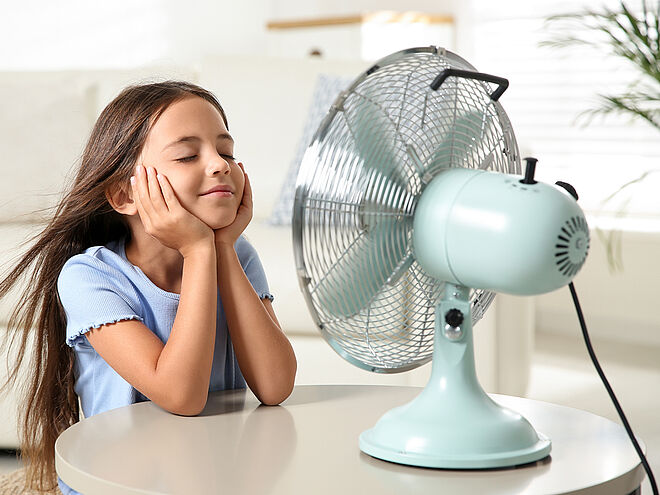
[{"x": 479, "y": 76}]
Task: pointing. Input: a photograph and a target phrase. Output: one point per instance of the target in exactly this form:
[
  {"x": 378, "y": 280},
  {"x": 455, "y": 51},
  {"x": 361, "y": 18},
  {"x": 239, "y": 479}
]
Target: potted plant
[{"x": 632, "y": 35}]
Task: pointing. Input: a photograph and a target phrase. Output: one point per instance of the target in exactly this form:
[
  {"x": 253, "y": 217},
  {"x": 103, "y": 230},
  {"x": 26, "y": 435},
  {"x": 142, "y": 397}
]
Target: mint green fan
[{"x": 410, "y": 212}]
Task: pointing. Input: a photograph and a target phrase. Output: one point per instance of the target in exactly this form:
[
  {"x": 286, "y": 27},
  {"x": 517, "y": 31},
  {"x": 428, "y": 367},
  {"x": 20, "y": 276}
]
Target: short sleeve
[
  {"x": 252, "y": 267},
  {"x": 93, "y": 294}
]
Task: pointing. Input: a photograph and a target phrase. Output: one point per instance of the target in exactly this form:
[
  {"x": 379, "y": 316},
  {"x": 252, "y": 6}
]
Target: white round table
[{"x": 309, "y": 444}]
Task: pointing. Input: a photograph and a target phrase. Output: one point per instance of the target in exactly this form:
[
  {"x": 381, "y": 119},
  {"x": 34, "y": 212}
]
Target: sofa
[{"x": 45, "y": 122}]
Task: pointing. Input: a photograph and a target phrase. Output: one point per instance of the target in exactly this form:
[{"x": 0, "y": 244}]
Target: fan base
[
  {"x": 453, "y": 423},
  {"x": 369, "y": 444},
  {"x": 466, "y": 430}
]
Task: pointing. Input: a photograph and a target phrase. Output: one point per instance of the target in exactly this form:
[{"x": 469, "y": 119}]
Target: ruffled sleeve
[{"x": 93, "y": 294}]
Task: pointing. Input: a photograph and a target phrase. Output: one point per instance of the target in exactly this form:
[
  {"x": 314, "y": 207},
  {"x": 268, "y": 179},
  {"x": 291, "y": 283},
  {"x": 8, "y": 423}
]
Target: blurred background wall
[
  {"x": 549, "y": 87},
  {"x": 84, "y": 52}
]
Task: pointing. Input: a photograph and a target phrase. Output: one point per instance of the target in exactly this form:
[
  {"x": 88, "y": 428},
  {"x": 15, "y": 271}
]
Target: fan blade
[
  {"x": 384, "y": 217},
  {"x": 376, "y": 140},
  {"x": 460, "y": 142},
  {"x": 364, "y": 268}
]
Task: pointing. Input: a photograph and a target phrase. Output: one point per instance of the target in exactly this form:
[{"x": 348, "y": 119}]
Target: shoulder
[
  {"x": 95, "y": 289},
  {"x": 245, "y": 251},
  {"x": 249, "y": 260},
  {"x": 98, "y": 267},
  {"x": 94, "y": 261}
]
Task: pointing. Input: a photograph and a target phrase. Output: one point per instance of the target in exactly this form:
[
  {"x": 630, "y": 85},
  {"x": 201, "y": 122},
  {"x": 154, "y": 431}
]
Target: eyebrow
[{"x": 184, "y": 139}]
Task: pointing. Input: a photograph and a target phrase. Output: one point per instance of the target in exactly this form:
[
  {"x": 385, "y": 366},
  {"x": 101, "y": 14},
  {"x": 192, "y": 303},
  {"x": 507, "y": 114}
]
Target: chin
[{"x": 219, "y": 223}]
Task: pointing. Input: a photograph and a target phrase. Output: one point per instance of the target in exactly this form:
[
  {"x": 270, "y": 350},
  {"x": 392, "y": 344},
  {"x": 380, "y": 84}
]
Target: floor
[
  {"x": 562, "y": 373},
  {"x": 8, "y": 461}
]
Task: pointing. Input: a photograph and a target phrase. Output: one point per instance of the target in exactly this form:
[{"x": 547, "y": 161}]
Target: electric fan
[{"x": 409, "y": 212}]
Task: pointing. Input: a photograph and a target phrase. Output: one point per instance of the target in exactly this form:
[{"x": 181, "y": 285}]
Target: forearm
[
  {"x": 185, "y": 362},
  {"x": 264, "y": 354}
]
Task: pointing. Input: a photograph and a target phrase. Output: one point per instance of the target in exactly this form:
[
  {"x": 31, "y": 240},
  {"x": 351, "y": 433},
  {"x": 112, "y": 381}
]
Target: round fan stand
[{"x": 453, "y": 423}]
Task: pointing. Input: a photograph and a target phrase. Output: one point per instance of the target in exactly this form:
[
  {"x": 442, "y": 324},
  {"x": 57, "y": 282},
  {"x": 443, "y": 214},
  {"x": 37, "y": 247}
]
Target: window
[{"x": 549, "y": 88}]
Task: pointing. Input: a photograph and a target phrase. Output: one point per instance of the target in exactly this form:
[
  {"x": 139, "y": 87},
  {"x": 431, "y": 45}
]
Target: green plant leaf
[{"x": 636, "y": 39}]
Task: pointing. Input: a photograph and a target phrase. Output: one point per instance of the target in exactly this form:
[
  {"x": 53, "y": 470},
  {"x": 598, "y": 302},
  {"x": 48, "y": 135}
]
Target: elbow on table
[
  {"x": 272, "y": 396},
  {"x": 184, "y": 405},
  {"x": 273, "y": 399}
]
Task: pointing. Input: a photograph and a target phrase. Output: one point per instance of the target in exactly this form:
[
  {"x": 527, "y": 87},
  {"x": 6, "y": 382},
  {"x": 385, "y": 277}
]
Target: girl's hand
[
  {"x": 163, "y": 216},
  {"x": 227, "y": 236}
]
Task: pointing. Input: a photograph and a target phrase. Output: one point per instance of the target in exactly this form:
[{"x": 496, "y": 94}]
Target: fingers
[
  {"x": 148, "y": 196},
  {"x": 155, "y": 193},
  {"x": 141, "y": 191},
  {"x": 247, "y": 189},
  {"x": 148, "y": 190},
  {"x": 168, "y": 193},
  {"x": 138, "y": 203}
]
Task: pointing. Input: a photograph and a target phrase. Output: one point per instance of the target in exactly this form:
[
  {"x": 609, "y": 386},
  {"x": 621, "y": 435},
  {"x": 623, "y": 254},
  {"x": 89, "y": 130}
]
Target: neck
[{"x": 161, "y": 264}]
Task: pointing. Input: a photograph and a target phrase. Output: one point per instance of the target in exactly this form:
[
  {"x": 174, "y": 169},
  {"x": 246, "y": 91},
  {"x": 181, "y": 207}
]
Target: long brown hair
[{"x": 83, "y": 218}]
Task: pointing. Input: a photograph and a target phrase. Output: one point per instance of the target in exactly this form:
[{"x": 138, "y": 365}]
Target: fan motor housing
[{"x": 489, "y": 230}]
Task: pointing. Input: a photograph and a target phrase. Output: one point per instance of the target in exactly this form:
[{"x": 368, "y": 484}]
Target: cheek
[
  {"x": 180, "y": 185},
  {"x": 185, "y": 191},
  {"x": 240, "y": 184}
]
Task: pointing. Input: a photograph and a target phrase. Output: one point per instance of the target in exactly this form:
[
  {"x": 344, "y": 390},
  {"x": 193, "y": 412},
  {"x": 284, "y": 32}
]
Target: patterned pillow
[{"x": 327, "y": 88}]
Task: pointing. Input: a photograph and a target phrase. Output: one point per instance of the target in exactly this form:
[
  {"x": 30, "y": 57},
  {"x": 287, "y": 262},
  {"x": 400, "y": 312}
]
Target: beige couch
[{"x": 47, "y": 117}]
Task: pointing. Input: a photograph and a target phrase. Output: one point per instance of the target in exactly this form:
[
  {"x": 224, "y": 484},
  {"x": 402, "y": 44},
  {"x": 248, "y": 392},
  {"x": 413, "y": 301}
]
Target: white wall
[
  {"x": 548, "y": 87},
  {"x": 78, "y": 34}
]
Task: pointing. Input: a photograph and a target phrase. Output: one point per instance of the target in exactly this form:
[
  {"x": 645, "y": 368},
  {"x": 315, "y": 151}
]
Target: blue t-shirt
[{"x": 101, "y": 286}]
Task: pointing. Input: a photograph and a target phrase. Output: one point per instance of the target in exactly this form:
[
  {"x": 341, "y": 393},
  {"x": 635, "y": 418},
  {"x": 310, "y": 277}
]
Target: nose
[{"x": 219, "y": 165}]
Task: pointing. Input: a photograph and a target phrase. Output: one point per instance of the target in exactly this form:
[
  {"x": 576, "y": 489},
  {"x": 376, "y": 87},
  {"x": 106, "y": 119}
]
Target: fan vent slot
[{"x": 572, "y": 246}]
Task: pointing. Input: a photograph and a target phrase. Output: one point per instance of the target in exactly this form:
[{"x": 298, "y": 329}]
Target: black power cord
[{"x": 615, "y": 401}]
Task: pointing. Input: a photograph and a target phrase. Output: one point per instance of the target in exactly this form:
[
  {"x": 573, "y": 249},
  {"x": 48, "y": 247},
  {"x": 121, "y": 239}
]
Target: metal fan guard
[{"x": 345, "y": 193}]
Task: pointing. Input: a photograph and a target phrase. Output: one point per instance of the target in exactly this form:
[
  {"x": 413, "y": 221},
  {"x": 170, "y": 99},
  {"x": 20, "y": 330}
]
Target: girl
[{"x": 143, "y": 287}]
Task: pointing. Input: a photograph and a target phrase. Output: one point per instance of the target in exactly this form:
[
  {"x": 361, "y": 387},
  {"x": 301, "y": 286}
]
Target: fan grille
[{"x": 386, "y": 137}]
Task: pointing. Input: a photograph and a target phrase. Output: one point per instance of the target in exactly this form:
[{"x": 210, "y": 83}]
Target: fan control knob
[
  {"x": 530, "y": 169},
  {"x": 453, "y": 321},
  {"x": 454, "y": 317}
]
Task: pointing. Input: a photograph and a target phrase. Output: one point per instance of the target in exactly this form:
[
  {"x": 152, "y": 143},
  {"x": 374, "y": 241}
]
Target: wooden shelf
[{"x": 374, "y": 17}]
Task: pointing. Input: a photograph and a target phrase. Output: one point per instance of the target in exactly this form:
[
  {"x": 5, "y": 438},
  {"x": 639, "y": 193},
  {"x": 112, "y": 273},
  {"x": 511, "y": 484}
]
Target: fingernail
[
  {"x": 139, "y": 168},
  {"x": 159, "y": 176},
  {"x": 132, "y": 180}
]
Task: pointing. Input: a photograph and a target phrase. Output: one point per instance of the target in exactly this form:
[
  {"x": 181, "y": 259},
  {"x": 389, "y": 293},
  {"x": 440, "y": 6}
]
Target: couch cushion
[
  {"x": 109, "y": 83},
  {"x": 44, "y": 123},
  {"x": 12, "y": 237},
  {"x": 11, "y": 399},
  {"x": 326, "y": 91},
  {"x": 275, "y": 247}
]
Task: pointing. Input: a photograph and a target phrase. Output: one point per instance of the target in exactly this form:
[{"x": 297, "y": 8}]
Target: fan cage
[{"x": 382, "y": 141}]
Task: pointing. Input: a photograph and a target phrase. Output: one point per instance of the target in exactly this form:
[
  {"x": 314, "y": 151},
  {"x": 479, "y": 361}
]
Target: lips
[{"x": 221, "y": 190}]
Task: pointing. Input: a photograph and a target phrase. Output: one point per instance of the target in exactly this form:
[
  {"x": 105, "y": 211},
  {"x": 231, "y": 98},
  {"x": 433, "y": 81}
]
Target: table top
[{"x": 310, "y": 444}]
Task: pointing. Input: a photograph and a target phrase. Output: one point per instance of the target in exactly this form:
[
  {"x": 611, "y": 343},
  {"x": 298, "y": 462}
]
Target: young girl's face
[{"x": 190, "y": 145}]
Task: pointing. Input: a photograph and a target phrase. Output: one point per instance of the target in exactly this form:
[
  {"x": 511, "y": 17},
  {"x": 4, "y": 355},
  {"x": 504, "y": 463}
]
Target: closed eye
[
  {"x": 192, "y": 157},
  {"x": 186, "y": 159}
]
